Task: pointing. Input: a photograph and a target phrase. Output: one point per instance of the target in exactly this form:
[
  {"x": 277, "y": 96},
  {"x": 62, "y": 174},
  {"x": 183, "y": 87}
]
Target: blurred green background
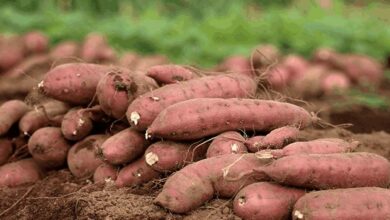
[{"x": 204, "y": 32}]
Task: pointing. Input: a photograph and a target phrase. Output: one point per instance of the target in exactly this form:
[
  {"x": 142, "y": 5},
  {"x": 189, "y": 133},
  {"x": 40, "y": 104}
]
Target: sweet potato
[
  {"x": 104, "y": 172},
  {"x": 145, "y": 63},
  {"x": 12, "y": 52},
  {"x": 48, "y": 147},
  {"x": 266, "y": 201},
  {"x": 318, "y": 146},
  {"x": 229, "y": 142},
  {"x": 276, "y": 139},
  {"x": 265, "y": 55},
  {"x": 92, "y": 48},
  {"x": 170, "y": 73},
  {"x": 197, "y": 183},
  {"x": 117, "y": 89},
  {"x": 18, "y": 173},
  {"x": 74, "y": 83},
  {"x": 84, "y": 157},
  {"x": 237, "y": 64},
  {"x": 207, "y": 116},
  {"x": 129, "y": 60},
  {"x": 296, "y": 65},
  {"x": 136, "y": 173},
  {"x": 6, "y": 150},
  {"x": 66, "y": 49},
  {"x": 327, "y": 171},
  {"x": 48, "y": 114},
  {"x": 10, "y": 112},
  {"x": 278, "y": 77},
  {"x": 28, "y": 65},
  {"x": 309, "y": 85},
  {"x": 36, "y": 42},
  {"x": 323, "y": 55},
  {"x": 78, "y": 122},
  {"x": 335, "y": 82},
  {"x": 354, "y": 203},
  {"x": 169, "y": 156},
  {"x": 143, "y": 110},
  {"x": 124, "y": 147}
]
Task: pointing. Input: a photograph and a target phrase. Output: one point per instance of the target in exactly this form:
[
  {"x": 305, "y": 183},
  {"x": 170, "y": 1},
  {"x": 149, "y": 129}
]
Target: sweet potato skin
[
  {"x": 76, "y": 125},
  {"x": 5, "y": 150},
  {"x": 124, "y": 147},
  {"x": 170, "y": 73},
  {"x": 83, "y": 157},
  {"x": 327, "y": 171},
  {"x": 265, "y": 200},
  {"x": 10, "y": 112},
  {"x": 276, "y": 139},
  {"x": 200, "y": 181},
  {"x": 48, "y": 147},
  {"x": 105, "y": 171},
  {"x": 117, "y": 89},
  {"x": 21, "y": 172},
  {"x": 169, "y": 156},
  {"x": 36, "y": 42},
  {"x": 74, "y": 83},
  {"x": 354, "y": 203},
  {"x": 229, "y": 142},
  {"x": 335, "y": 82},
  {"x": 136, "y": 173},
  {"x": 233, "y": 114},
  {"x": 67, "y": 49},
  {"x": 318, "y": 146},
  {"x": 143, "y": 110}
]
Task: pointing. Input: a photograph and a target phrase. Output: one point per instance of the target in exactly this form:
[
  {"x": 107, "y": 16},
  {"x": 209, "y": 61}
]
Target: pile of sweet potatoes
[{"x": 205, "y": 132}]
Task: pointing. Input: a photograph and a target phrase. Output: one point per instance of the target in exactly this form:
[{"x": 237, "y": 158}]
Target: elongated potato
[
  {"x": 10, "y": 113},
  {"x": 104, "y": 172},
  {"x": 229, "y": 142},
  {"x": 197, "y": 118},
  {"x": 143, "y": 110},
  {"x": 18, "y": 173},
  {"x": 170, "y": 73},
  {"x": 6, "y": 150},
  {"x": 354, "y": 203}
]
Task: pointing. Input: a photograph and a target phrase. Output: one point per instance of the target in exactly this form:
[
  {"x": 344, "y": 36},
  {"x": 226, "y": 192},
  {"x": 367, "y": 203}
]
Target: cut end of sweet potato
[
  {"x": 264, "y": 155},
  {"x": 135, "y": 117},
  {"x": 147, "y": 135},
  {"x": 151, "y": 158},
  {"x": 298, "y": 214}
]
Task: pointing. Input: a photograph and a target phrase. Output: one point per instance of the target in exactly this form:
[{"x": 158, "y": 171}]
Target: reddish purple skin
[
  {"x": 124, "y": 147},
  {"x": 237, "y": 64},
  {"x": 278, "y": 77},
  {"x": 327, "y": 171},
  {"x": 335, "y": 81},
  {"x": 6, "y": 150},
  {"x": 70, "y": 123},
  {"x": 296, "y": 65},
  {"x": 36, "y": 42},
  {"x": 48, "y": 147},
  {"x": 149, "y": 105},
  {"x": 224, "y": 143},
  {"x": 104, "y": 172},
  {"x": 276, "y": 139},
  {"x": 84, "y": 158},
  {"x": 347, "y": 204},
  {"x": 10, "y": 113},
  {"x": 18, "y": 173},
  {"x": 265, "y": 200},
  {"x": 135, "y": 174},
  {"x": 173, "y": 156},
  {"x": 195, "y": 184},
  {"x": 318, "y": 146},
  {"x": 119, "y": 88},
  {"x": 197, "y": 118},
  {"x": 265, "y": 55},
  {"x": 170, "y": 73},
  {"x": 65, "y": 49},
  {"x": 91, "y": 49},
  {"x": 74, "y": 83}
]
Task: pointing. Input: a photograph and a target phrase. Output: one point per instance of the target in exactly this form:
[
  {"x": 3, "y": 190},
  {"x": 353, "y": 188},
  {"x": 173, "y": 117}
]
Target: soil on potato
[{"x": 61, "y": 196}]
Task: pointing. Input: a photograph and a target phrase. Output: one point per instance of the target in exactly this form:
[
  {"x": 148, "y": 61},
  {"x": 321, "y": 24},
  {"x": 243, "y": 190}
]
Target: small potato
[{"x": 18, "y": 173}]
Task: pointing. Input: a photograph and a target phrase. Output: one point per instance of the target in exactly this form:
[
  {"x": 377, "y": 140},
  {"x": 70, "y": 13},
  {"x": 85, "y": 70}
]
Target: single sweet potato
[
  {"x": 170, "y": 73},
  {"x": 327, "y": 171},
  {"x": 28, "y": 66},
  {"x": 197, "y": 183},
  {"x": 129, "y": 60},
  {"x": 117, "y": 89},
  {"x": 229, "y": 142},
  {"x": 146, "y": 62},
  {"x": 66, "y": 49},
  {"x": 18, "y": 173},
  {"x": 265, "y": 55},
  {"x": 84, "y": 157},
  {"x": 48, "y": 147},
  {"x": 124, "y": 147},
  {"x": 92, "y": 47},
  {"x": 197, "y": 118},
  {"x": 309, "y": 84},
  {"x": 278, "y": 77},
  {"x": 6, "y": 150},
  {"x": 354, "y": 203},
  {"x": 266, "y": 201},
  {"x": 335, "y": 82},
  {"x": 276, "y": 139},
  {"x": 48, "y": 114},
  {"x": 74, "y": 83},
  {"x": 296, "y": 65},
  {"x": 169, "y": 156},
  {"x": 143, "y": 110},
  {"x": 10, "y": 112},
  {"x": 104, "y": 172},
  {"x": 136, "y": 173},
  {"x": 237, "y": 64},
  {"x": 318, "y": 146},
  {"x": 36, "y": 42},
  {"x": 12, "y": 52}
]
